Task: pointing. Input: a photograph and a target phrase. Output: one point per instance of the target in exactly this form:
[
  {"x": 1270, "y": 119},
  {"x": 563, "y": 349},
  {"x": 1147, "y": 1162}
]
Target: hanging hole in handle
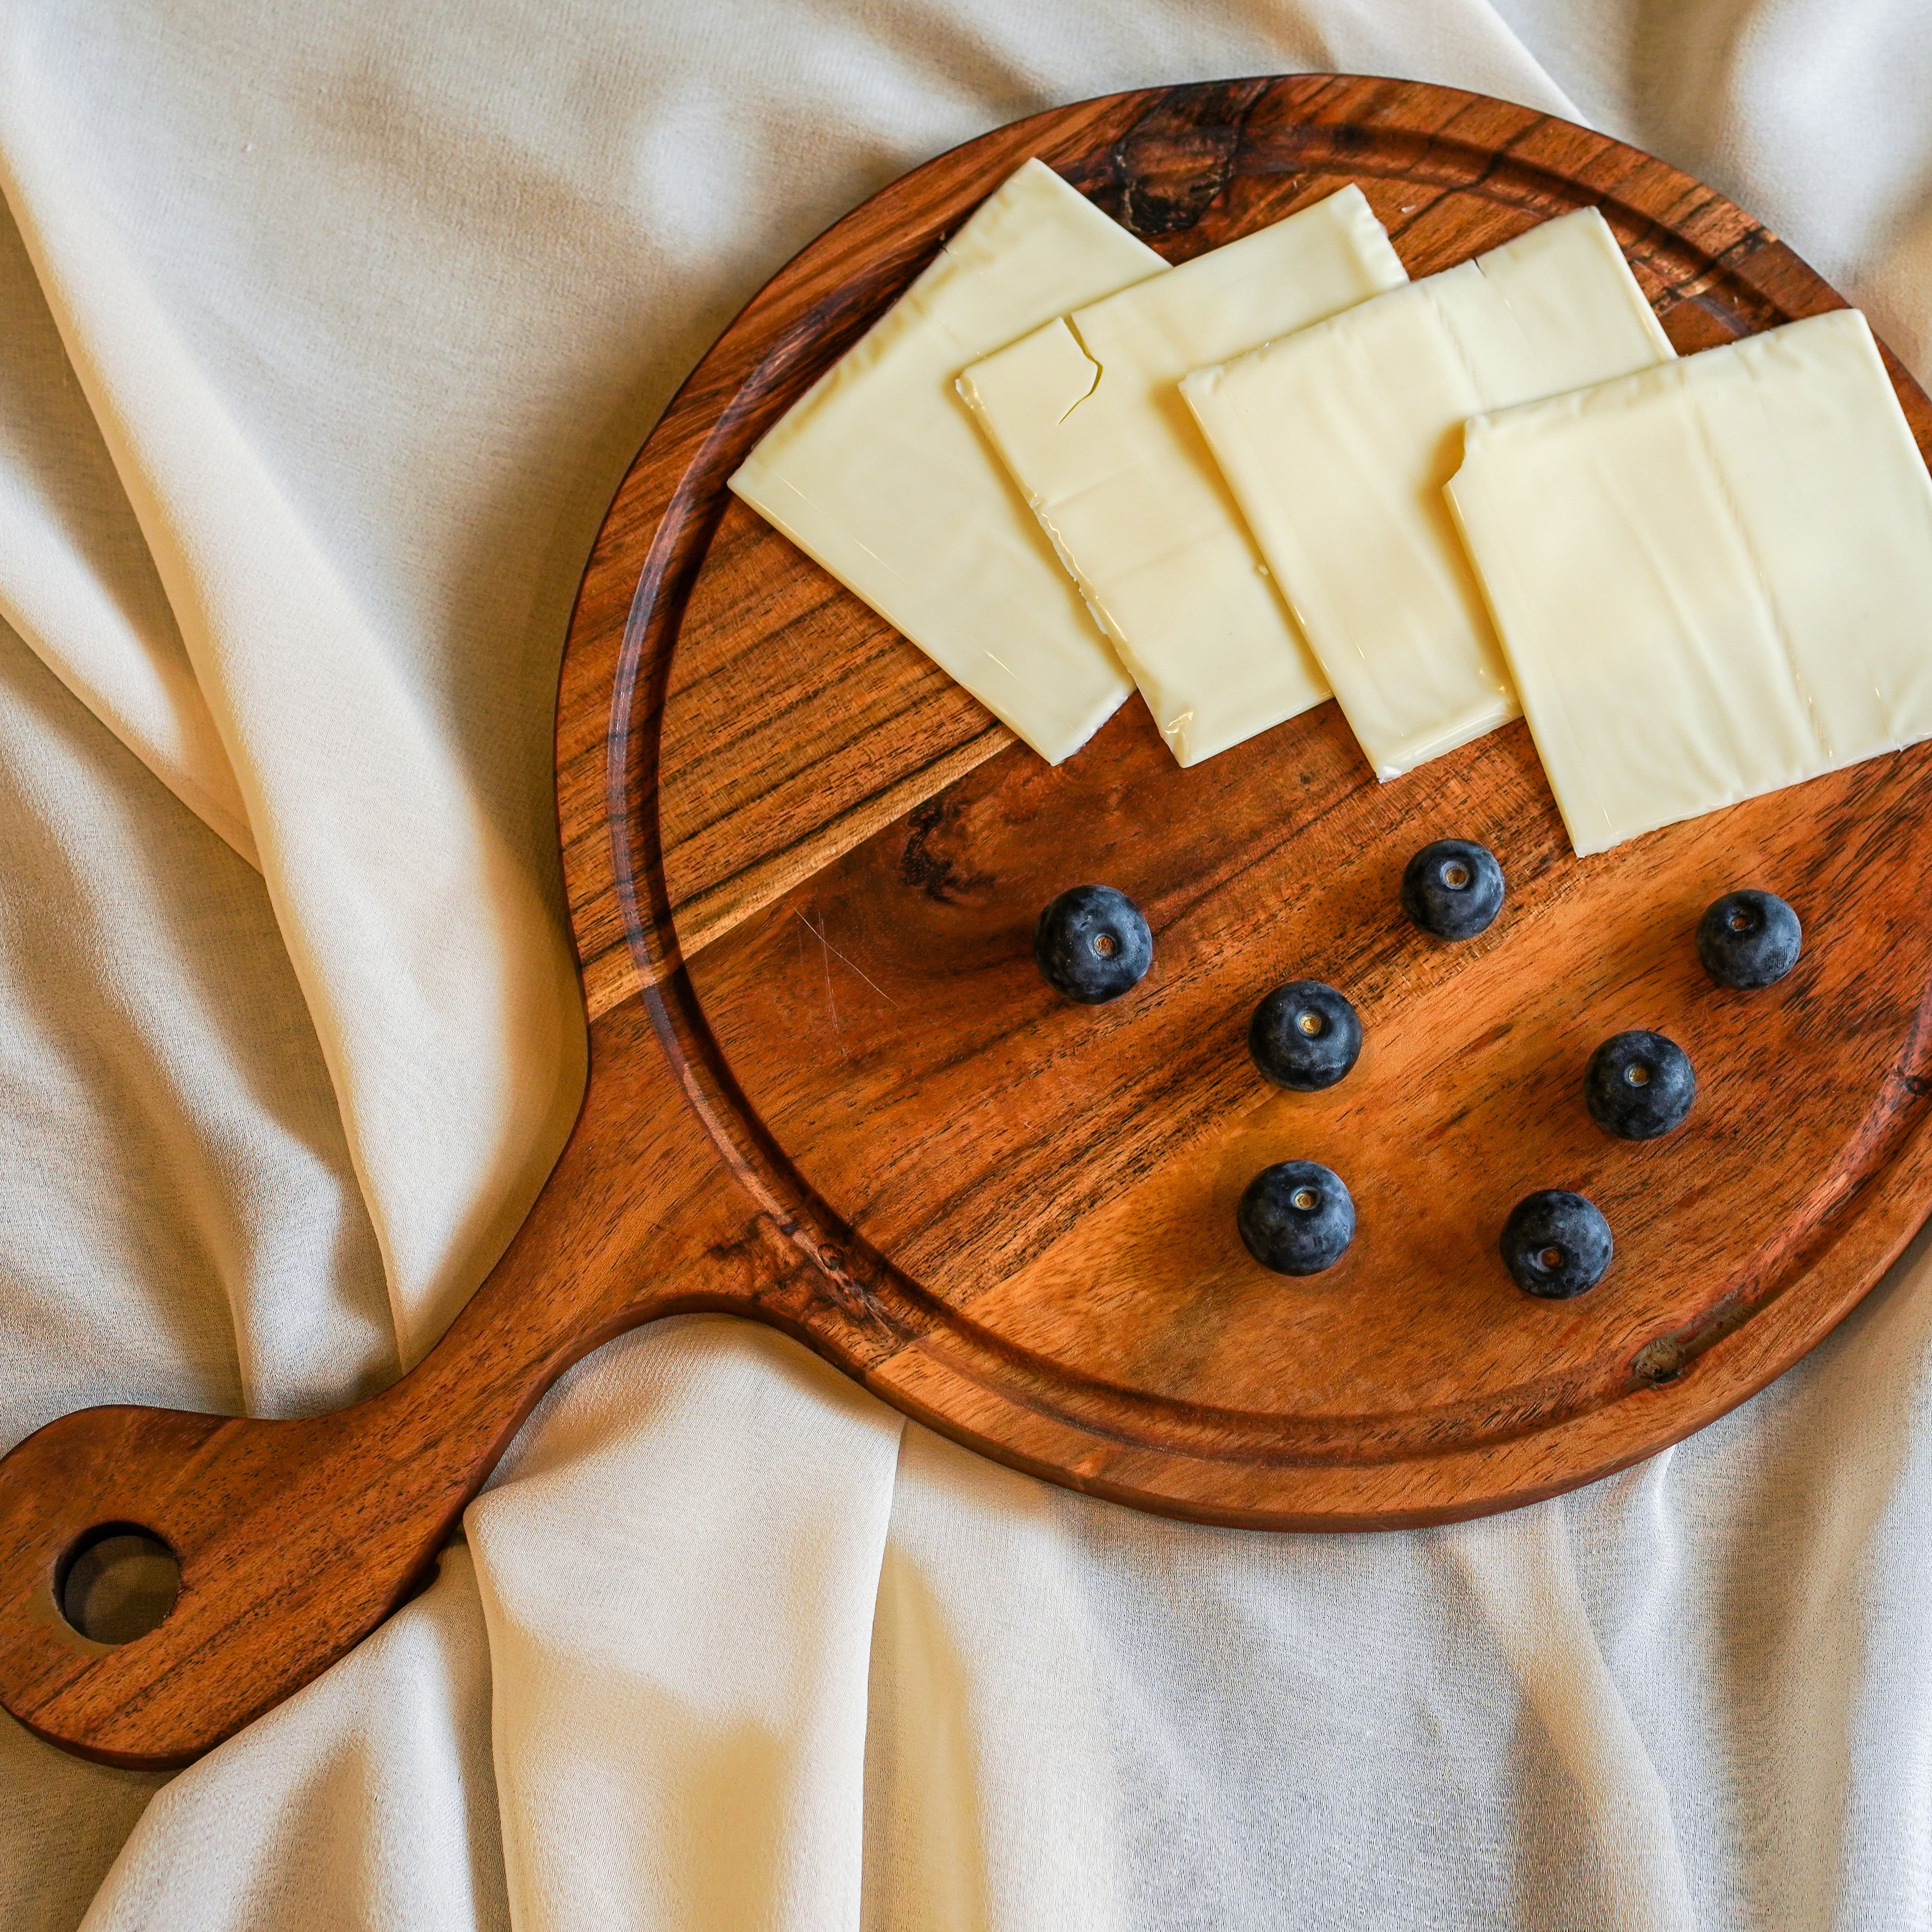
[{"x": 117, "y": 1581}]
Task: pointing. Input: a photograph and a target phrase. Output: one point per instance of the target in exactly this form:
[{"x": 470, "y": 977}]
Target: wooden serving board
[{"x": 829, "y": 1090}]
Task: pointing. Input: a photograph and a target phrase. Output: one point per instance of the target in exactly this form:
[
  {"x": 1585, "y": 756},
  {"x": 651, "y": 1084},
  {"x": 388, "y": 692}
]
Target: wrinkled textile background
[{"x": 326, "y": 332}]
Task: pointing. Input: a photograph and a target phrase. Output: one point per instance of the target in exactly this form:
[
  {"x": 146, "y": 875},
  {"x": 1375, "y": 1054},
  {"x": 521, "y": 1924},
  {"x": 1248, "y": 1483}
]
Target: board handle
[{"x": 295, "y": 1539}]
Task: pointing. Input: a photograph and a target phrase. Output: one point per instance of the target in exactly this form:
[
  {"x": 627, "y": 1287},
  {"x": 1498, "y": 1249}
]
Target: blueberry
[
  {"x": 1638, "y": 1086},
  {"x": 1556, "y": 1244},
  {"x": 1453, "y": 889},
  {"x": 1092, "y": 944},
  {"x": 1296, "y": 1217},
  {"x": 1304, "y": 1035},
  {"x": 1749, "y": 939}
]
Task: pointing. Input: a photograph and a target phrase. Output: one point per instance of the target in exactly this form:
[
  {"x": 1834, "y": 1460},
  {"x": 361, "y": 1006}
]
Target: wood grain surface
[{"x": 828, "y": 1090}]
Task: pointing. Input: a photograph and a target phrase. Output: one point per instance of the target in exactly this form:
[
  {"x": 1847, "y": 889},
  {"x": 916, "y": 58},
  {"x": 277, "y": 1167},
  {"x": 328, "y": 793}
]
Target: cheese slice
[
  {"x": 1713, "y": 579},
  {"x": 1086, "y": 414},
  {"x": 879, "y": 473},
  {"x": 1337, "y": 441}
]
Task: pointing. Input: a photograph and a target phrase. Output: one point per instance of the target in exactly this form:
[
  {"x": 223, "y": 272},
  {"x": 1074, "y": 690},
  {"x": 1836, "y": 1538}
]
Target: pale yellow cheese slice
[
  {"x": 1087, "y": 414},
  {"x": 1713, "y": 579},
  {"x": 1337, "y": 441},
  {"x": 879, "y": 472}
]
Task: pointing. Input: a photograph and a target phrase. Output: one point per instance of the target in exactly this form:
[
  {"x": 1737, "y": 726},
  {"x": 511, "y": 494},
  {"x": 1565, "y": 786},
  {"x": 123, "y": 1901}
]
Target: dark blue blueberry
[
  {"x": 1556, "y": 1244},
  {"x": 1749, "y": 939},
  {"x": 1092, "y": 944},
  {"x": 1453, "y": 889},
  {"x": 1296, "y": 1217},
  {"x": 1638, "y": 1085},
  {"x": 1304, "y": 1035}
]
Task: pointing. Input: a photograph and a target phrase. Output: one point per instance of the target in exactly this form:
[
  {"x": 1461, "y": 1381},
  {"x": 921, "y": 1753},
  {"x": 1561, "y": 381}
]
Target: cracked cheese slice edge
[
  {"x": 1337, "y": 443},
  {"x": 1713, "y": 579},
  {"x": 1087, "y": 414},
  {"x": 879, "y": 474}
]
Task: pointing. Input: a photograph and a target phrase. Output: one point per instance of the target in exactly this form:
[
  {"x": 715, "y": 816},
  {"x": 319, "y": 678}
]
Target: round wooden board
[
  {"x": 829, "y": 1090},
  {"x": 822, "y": 862}
]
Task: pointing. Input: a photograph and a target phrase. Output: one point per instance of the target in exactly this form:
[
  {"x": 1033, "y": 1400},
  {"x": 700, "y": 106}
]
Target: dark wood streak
[
  {"x": 1175, "y": 160},
  {"x": 828, "y": 1092}
]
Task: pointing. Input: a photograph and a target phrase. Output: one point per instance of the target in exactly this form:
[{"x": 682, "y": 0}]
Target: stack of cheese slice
[
  {"x": 1281, "y": 468},
  {"x": 879, "y": 472}
]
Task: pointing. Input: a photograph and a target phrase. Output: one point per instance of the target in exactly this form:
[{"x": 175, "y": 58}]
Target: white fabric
[
  {"x": 366, "y": 1799},
  {"x": 744, "y": 1807},
  {"x": 328, "y": 329},
  {"x": 438, "y": 989}
]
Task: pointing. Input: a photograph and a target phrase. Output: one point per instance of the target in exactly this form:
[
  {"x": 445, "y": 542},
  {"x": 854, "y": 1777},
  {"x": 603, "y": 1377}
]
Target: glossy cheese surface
[
  {"x": 1087, "y": 414},
  {"x": 879, "y": 473},
  {"x": 1713, "y": 579},
  {"x": 1337, "y": 443}
]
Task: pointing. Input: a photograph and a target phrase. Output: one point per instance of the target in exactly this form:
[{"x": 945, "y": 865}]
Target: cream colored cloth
[{"x": 326, "y": 332}]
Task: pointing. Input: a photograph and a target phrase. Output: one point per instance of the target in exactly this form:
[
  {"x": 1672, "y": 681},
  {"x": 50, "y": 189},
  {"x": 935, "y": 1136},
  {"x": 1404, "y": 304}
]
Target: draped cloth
[{"x": 326, "y": 330}]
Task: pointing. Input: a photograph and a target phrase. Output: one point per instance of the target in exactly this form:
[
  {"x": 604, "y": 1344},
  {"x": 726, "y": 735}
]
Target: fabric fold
[
  {"x": 77, "y": 582},
  {"x": 440, "y": 988},
  {"x": 1523, "y": 1573},
  {"x": 678, "y": 1614},
  {"x": 365, "y": 1801}
]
